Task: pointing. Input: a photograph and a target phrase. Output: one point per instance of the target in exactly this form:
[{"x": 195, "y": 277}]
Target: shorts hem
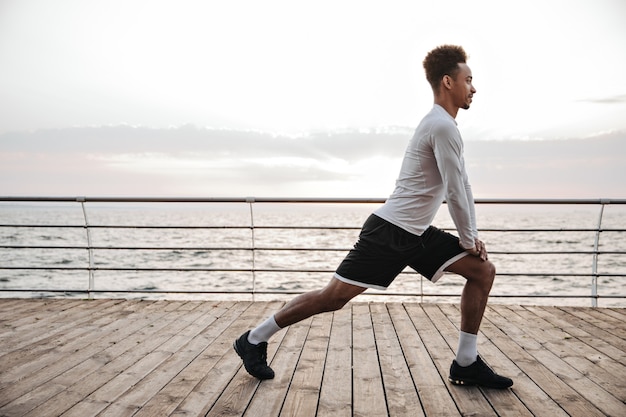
[
  {"x": 359, "y": 284},
  {"x": 439, "y": 273}
]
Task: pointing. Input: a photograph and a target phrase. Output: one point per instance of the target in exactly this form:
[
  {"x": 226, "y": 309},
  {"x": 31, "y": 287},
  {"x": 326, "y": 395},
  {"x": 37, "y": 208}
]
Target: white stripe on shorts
[
  {"x": 435, "y": 278},
  {"x": 359, "y": 284},
  {"x": 446, "y": 264}
]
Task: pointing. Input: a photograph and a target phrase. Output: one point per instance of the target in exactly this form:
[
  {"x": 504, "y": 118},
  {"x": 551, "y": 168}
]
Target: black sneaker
[
  {"x": 254, "y": 357},
  {"x": 478, "y": 373}
]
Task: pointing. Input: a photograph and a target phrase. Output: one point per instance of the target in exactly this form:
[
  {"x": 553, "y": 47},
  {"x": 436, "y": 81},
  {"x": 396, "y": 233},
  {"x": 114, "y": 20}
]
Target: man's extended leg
[
  {"x": 252, "y": 345},
  {"x": 330, "y": 298},
  {"x": 468, "y": 368}
]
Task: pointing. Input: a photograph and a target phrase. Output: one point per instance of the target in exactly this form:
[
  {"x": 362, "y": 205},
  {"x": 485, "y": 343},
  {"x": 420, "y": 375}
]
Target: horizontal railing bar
[
  {"x": 590, "y": 252},
  {"x": 105, "y": 226},
  {"x": 87, "y": 199},
  {"x": 95, "y": 199},
  {"x": 287, "y": 292},
  {"x": 125, "y": 226},
  {"x": 283, "y": 249},
  {"x": 321, "y": 271},
  {"x": 165, "y": 248}
]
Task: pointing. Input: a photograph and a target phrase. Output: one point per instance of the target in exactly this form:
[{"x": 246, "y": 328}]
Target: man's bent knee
[
  {"x": 490, "y": 270},
  {"x": 485, "y": 273},
  {"x": 474, "y": 269}
]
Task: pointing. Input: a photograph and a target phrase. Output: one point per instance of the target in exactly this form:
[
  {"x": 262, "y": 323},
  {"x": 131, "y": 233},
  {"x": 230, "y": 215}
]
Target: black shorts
[{"x": 384, "y": 250}]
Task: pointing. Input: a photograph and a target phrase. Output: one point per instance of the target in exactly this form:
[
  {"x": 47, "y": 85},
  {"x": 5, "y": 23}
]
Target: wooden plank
[
  {"x": 599, "y": 330},
  {"x": 44, "y": 328},
  {"x": 336, "y": 391},
  {"x": 598, "y": 339},
  {"x": 143, "y": 332},
  {"x": 182, "y": 348},
  {"x": 148, "y": 358},
  {"x": 39, "y": 363},
  {"x": 51, "y": 332},
  {"x": 17, "y": 312},
  {"x": 136, "y": 363},
  {"x": 400, "y": 391},
  {"x": 228, "y": 368},
  {"x": 597, "y": 318},
  {"x": 29, "y": 310},
  {"x": 468, "y": 399},
  {"x": 540, "y": 365},
  {"x": 574, "y": 354},
  {"x": 431, "y": 387},
  {"x": 270, "y": 396},
  {"x": 369, "y": 395},
  {"x": 100, "y": 399},
  {"x": 505, "y": 402},
  {"x": 600, "y": 368},
  {"x": 12, "y": 305},
  {"x": 304, "y": 390},
  {"x": 41, "y": 368},
  {"x": 618, "y": 313},
  {"x": 52, "y": 319},
  {"x": 181, "y": 385},
  {"x": 499, "y": 349},
  {"x": 246, "y": 394},
  {"x": 555, "y": 344}
]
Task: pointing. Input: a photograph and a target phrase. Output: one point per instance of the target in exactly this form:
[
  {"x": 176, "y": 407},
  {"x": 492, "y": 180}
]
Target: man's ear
[{"x": 446, "y": 81}]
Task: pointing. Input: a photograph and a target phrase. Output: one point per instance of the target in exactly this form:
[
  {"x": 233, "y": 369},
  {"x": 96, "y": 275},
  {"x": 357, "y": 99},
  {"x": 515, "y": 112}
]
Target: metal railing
[{"x": 249, "y": 245}]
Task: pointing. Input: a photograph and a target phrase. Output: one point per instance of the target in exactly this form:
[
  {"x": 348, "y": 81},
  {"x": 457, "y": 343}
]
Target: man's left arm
[
  {"x": 479, "y": 246},
  {"x": 448, "y": 149}
]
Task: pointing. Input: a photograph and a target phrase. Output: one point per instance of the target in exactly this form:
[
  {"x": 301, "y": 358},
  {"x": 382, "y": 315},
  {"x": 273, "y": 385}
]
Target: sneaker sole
[
  {"x": 460, "y": 382},
  {"x": 471, "y": 383}
]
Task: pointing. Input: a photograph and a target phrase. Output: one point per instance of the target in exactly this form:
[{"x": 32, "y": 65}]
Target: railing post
[
  {"x": 90, "y": 289},
  {"x": 594, "y": 265},
  {"x": 250, "y": 201}
]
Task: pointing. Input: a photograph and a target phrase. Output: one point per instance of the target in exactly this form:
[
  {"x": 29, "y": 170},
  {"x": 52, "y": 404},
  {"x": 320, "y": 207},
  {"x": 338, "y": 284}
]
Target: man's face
[{"x": 463, "y": 88}]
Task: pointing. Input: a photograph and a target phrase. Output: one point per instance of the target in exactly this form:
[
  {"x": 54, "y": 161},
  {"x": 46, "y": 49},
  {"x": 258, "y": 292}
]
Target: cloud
[
  {"x": 349, "y": 145},
  {"x": 190, "y": 161},
  {"x": 621, "y": 98},
  {"x": 575, "y": 168}
]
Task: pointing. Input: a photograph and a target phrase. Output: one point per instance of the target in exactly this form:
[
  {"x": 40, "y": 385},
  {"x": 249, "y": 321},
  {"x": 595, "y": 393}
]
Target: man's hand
[{"x": 478, "y": 250}]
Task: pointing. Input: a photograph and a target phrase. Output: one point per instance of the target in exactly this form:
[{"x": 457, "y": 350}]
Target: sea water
[{"x": 214, "y": 255}]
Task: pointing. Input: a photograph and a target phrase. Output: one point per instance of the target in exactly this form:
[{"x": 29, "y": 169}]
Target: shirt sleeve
[
  {"x": 448, "y": 148},
  {"x": 470, "y": 199}
]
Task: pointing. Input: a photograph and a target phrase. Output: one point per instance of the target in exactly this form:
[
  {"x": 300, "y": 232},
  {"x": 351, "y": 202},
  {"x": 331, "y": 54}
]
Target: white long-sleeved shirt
[{"x": 433, "y": 169}]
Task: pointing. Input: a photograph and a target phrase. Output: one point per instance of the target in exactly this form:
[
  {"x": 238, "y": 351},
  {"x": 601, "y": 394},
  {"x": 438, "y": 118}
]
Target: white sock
[
  {"x": 263, "y": 331},
  {"x": 467, "y": 352}
]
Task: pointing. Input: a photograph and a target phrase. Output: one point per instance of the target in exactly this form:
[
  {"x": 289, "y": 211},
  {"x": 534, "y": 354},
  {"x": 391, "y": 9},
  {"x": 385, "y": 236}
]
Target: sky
[{"x": 303, "y": 98}]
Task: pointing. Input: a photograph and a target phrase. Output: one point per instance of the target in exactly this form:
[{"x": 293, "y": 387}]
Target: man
[{"x": 399, "y": 234}]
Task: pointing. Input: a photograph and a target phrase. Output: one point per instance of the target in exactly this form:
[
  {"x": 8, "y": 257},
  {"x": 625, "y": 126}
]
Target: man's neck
[{"x": 447, "y": 106}]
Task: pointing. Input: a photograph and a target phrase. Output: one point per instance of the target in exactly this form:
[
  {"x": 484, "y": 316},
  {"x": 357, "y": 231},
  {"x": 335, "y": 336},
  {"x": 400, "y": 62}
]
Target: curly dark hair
[{"x": 441, "y": 61}]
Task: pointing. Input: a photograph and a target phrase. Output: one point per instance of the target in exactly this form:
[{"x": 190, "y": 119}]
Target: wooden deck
[{"x": 160, "y": 358}]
